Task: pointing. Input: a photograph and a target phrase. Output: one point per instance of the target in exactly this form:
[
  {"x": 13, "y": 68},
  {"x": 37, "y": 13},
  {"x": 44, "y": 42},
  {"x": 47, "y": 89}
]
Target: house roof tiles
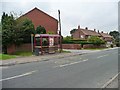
[{"x": 89, "y": 32}]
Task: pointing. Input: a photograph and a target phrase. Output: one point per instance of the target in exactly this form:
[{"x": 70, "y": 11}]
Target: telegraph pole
[{"x": 60, "y": 31}]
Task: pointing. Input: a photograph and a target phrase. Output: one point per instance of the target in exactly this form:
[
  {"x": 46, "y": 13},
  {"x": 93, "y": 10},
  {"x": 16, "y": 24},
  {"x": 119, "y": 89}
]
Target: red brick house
[
  {"x": 84, "y": 34},
  {"x": 106, "y": 37},
  {"x": 39, "y": 17}
]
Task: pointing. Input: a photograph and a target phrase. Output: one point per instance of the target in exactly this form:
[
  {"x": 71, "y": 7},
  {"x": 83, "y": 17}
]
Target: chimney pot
[
  {"x": 94, "y": 30},
  {"x": 98, "y": 31},
  {"x": 102, "y": 32},
  {"x": 79, "y": 27},
  {"x": 86, "y": 28}
]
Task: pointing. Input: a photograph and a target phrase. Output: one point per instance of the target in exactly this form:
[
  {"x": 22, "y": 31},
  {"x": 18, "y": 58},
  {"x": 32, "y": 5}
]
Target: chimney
[
  {"x": 78, "y": 26},
  {"x": 94, "y": 30},
  {"x": 102, "y": 32},
  {"x": 98, "y": 31},
  {"x": 86, "y": 28}
]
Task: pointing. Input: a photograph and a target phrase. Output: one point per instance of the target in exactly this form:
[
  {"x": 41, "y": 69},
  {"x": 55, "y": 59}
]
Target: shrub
[
  {"x": 118, "y": 44},
  {"x": 111, "y": 45},
  {"x": 96, "y": 40}
]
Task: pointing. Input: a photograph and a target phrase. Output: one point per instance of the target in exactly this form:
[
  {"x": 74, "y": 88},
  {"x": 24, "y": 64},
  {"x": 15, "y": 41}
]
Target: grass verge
[
  {"x": 23, "y": 53},
  {"x": 5, "y": 56},
  {"x": 95, "y": 49},
  {"x": 16, "y": 54}
]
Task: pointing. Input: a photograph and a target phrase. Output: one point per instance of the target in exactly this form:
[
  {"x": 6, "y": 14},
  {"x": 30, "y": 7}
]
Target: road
[{"x": 92, "y": 70}]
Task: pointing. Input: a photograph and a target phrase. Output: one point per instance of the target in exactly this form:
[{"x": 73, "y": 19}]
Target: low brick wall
[
  {"x": 24, "y": 47},
  {"x": 93, "y": 46},
  {"x": 11, "y": 49},
  {"x": 71, "y": 46}
]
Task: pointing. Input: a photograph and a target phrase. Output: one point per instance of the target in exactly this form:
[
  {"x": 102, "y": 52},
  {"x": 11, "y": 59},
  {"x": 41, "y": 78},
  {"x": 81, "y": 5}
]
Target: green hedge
[{"x": 82, "y": 42}]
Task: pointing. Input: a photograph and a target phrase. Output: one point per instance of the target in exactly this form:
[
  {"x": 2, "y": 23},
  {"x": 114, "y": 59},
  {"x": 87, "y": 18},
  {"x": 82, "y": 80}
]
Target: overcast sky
[{"x": 95, "y": 14}]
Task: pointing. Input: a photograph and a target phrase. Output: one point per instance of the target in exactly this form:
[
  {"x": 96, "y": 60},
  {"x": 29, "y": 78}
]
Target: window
[{"x": 82, "y": 36}]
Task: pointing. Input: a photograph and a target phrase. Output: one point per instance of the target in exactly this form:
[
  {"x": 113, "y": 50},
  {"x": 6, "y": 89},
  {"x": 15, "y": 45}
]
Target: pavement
[
  {"x": 93, "y": 70},
  {"x": 29, "y": 59}
]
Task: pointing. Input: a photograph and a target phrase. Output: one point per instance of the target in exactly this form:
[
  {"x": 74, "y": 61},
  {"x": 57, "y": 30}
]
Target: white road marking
[
  {"x": 102, "y": 56},
  {"x": 18, "y": 76},
  {"x": 71, "y": 63},
  {"x": 107, "y": 83}
]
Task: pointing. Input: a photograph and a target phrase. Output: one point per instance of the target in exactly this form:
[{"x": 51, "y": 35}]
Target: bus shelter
[{"x": 46, "y": 43}]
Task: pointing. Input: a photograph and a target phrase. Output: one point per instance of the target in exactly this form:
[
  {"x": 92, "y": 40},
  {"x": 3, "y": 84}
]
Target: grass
[
  {"x": 95, "y": 49},
  {"x": 5, "y": 56},
  {"x": 23, "y": 53}
]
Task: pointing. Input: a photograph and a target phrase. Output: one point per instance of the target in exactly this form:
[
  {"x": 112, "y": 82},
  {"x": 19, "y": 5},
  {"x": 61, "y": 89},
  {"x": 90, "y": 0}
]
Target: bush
[
  {"x": 111, "y": 45},
  {"x": 76, "y": 42},
  {"x": 117, "y": 44},
  {"x": 96, "y": 40}
]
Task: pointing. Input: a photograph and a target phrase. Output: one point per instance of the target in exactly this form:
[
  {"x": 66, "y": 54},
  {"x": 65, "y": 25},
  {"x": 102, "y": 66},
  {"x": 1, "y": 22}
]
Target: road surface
[{"x": 92, "y": 70}]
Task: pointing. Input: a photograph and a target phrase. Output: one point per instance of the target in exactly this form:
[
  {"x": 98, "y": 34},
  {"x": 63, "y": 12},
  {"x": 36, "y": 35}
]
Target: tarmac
[{"x": 46, "y": 57}]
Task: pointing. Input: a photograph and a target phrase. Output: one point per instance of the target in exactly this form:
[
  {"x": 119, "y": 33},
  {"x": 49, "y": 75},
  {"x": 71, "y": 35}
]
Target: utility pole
[{"x": 60, "y": 31}]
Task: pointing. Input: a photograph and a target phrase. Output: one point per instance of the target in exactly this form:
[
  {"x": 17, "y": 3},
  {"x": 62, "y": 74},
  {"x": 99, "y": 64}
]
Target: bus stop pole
[{"x": 32, "y": 42}]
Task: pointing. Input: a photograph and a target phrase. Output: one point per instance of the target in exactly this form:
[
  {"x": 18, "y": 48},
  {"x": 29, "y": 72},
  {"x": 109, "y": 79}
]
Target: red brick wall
[
  {"x": 24, "y": 47},
  {"x": 40, "y": 18},
  {"x": 71, "y": 46},
  {"x": 11, "y": 49}
]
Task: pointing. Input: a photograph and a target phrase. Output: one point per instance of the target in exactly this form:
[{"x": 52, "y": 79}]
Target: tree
[
  {"x": 67, "y": 38},
  {"x": 8, "y": 30},
  {"x": 116, "y": 35},
  {"x": 40, "y": 30},
  {"x": 15, "y": 31},
  {"x": 26, "y": 26},
  {"x": 96, "y": 40},
  {"x": 72, "y": 31}
]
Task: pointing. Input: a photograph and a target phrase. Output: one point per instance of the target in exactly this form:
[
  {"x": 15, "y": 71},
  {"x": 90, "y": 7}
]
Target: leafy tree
[
  {"x": 15, "y": 31},
  {"x": 116, "y": 35},
  {"x": 96, "y": 40},
  {"x": 72, "y": 31},
  {"x": 40, "y": 30},
  {"x": 8, "y": 30},
  {"x": 27, "y": 28},
  {"x": 67, "y": 38}
]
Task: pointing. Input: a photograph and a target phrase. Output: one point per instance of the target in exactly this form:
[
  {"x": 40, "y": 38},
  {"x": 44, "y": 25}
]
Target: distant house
[
  {"x": 84, "y": 34},
  {"x": 106, "y": 37},
  {"x": 39, "y": 17}
]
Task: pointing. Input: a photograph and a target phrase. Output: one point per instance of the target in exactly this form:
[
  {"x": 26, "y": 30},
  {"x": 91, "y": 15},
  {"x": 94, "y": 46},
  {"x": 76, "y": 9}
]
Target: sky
[{"x": 101, "y": 15}]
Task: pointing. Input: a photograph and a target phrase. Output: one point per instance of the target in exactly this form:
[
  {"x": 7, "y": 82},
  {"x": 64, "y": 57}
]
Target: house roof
[
  {"x": 39, "y": 11},
  {"x": 105, "y": 35},
  {"x": 90, "y": 32}
]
